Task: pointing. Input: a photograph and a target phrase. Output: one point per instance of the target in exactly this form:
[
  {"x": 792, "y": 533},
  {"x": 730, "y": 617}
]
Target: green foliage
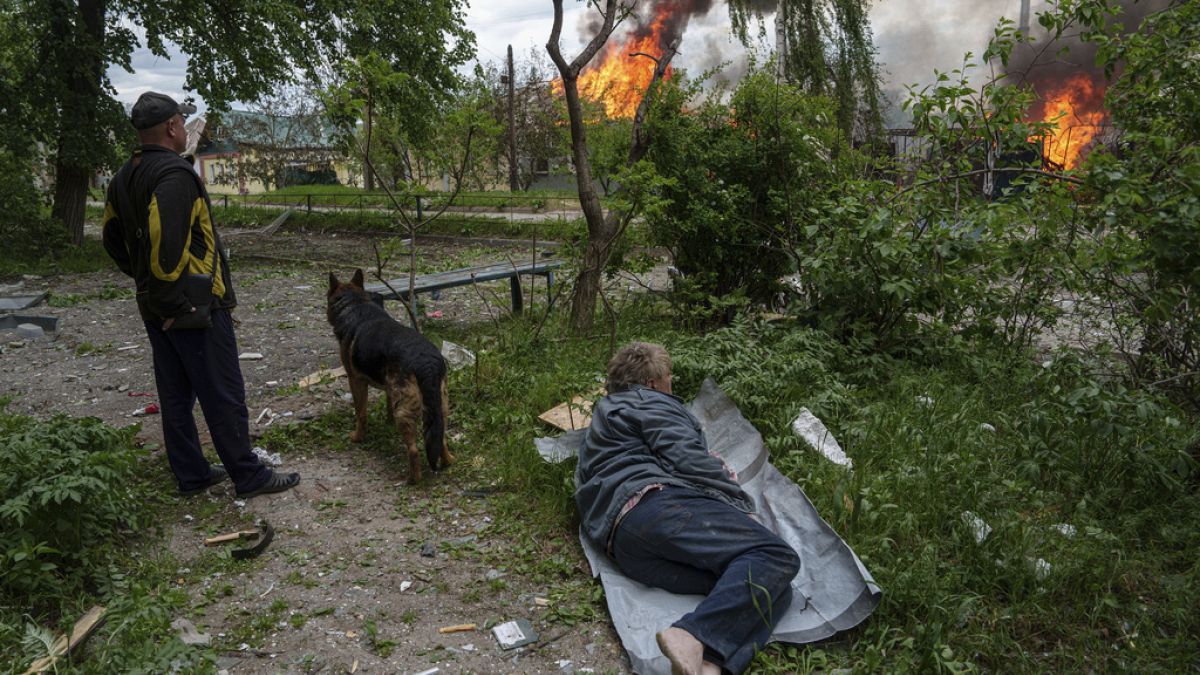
[
  {"x": 72, "y": 493},
  {"x": 737, "y": 176},
  {"x": 1067, "y": 448},
  {"x": 829, "y": 53},
  {"x": 25, "y": 226},
  {"x": 1140, "y": 241},
  {"x": 64, "y": 492}
]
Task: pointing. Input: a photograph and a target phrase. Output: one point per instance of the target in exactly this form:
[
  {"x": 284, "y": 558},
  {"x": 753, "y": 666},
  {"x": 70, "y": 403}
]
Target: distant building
[{"x": 249, "y": 153}]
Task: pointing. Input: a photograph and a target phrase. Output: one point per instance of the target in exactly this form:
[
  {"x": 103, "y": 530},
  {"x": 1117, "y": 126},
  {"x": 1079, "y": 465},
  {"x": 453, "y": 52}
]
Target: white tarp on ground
[{"x": 832, "y": 592}]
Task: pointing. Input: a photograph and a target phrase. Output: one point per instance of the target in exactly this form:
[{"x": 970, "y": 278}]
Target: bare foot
[
  {"x": 710, "y": 668},
  {"x": 685, "y": 652}
]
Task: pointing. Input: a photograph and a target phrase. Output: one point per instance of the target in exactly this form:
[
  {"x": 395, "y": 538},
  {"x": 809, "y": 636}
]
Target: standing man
[
  {"x": 672, "y": 515},
  {"x": 158, "y": 229}
]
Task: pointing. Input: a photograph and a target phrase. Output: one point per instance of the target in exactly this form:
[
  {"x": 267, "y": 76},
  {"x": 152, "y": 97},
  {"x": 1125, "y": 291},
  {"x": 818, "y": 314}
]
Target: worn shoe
[
  {"x": 216, "y": 474},
  {"x": 278, "y": 482}
]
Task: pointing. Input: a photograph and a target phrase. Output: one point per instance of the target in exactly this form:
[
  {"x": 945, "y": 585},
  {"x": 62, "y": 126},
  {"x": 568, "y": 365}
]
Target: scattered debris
[
  {"x": 456, "y": 355},
  {"x": 925, "y": 400},
  {"x": 574, "y": 414},
  {"x": 269, "y": 458},
  {"x": 317, "y": 377},
  {"x": 405, "y": 585},
  {"x": 30, "y": 331},
  {"x": 265, "y": 413},
  {"x": 809, "y": 427},
  {"x": 140, "y": 393},
  {"x": 264, "y": 535},
  {"x": 541, "y": 602},
  {"x": 150, "y": 409},
  {"x": 987, "y": 427},
  {"x": 189, "y": 634},
  {"x": 126, "y": 348},
  {"x": 431, "y": 671},
  {"x": 12, "y": 302},
  {"x": 63, "y": 645},
  {"x": 436, "y": 314},
  {"x": 1041, "y": 569},
  {"x": 427, "y": 550},
  {"x": 1065, "y": 529},
  {"x": 457, "y": 628},
  {"x": 979, "y": 528},
  {"x": 250, "y": 356},
  {"x": 513, "y": 634}
]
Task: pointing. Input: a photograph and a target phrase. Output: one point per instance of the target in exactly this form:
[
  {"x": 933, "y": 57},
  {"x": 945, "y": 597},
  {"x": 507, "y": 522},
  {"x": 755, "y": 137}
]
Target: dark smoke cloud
[
  {"x": 640, "y": 23},
  {"x": 1041, "y": 60}
]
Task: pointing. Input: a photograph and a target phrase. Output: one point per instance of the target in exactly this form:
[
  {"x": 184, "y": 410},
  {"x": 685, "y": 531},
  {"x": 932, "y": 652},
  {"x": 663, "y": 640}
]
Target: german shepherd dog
[{"x": 377, "y": 350}]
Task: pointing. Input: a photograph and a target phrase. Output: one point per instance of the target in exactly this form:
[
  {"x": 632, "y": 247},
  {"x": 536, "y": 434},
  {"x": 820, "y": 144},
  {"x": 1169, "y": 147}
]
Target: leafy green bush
[
  {"x": 736, "y": 175},
  {"x": 25, "y": 226},
  {"x": 66, "y": 492}
]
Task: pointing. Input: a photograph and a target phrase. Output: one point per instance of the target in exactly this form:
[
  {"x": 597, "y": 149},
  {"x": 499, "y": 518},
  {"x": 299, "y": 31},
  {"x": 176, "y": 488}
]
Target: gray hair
[{"x": 637, "y": 363}]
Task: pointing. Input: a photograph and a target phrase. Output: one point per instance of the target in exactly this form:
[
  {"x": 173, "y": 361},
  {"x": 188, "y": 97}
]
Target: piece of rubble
[
  {"x": 250, "y": 356},
  {"x": 457, "y": 356},
  {"x": 809, "y": 427},
  {"x": 30, "y": 331},
  {"x": 189, "y": 634},
  {"x": 315, "y": 378},
  {"x": 268, "y": 458},
  {"x": 979, "y": 528},
  {"x": 513, "y": 634}
]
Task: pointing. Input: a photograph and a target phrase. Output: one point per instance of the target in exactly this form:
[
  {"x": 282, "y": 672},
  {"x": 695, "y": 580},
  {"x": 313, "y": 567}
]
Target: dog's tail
[{"x": 433, "y": 396}]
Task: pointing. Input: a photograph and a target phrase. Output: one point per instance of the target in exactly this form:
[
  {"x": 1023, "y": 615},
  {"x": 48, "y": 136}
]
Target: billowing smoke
[
  {"x": 676, "y": 14},
  {"x": 1045, "y": 60}
]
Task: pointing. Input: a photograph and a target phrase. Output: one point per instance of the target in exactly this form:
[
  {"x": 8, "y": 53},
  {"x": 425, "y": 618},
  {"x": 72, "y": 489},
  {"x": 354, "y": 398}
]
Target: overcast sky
[{"x": 913, "y": 37}]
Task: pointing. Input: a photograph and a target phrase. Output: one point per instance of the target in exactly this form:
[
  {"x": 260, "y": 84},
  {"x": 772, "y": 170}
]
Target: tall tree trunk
[
  {"x": 70, "y": 198},
  {"x": 80, "y": 78},
  {"x": 602, "y": 230}
]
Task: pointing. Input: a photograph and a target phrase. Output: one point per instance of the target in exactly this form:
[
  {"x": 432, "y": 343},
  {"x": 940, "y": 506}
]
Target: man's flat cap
[{"x": 153, "y": 108}]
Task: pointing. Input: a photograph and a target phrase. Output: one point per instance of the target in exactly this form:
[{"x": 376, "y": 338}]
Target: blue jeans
[
  {"x": 684, "y": 542},
  {"x": 203, "y": 364}
]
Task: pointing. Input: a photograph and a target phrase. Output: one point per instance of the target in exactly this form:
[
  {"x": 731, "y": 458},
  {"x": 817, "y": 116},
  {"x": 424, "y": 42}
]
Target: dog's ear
[
  {"x": 358, "y": 278},
  {"x": 333, "y": 282}
]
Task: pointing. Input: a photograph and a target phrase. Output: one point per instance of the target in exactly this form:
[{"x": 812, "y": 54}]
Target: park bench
[{"x": 429, "y": 283}]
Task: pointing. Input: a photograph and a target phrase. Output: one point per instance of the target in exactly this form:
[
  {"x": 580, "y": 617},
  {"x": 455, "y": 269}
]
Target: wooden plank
[
  {"x": 574, "y": 414},
  {"x": 315, "y": 378},
  {"x": 231, "y": 536},
  {"x": 63, "y": 645}
]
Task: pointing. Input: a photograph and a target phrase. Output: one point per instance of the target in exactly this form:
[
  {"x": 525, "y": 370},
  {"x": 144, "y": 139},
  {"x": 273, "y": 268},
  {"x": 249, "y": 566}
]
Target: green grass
[
  {"x": 89, "y": 257},
  {"x": 344, "y": 195},
  {"x": 1068, "y": 448}
]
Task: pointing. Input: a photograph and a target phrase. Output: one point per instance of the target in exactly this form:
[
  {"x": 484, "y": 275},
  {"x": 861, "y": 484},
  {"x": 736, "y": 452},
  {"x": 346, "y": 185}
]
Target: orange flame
[
  {"x": 1075, "y": 108},
  {"x": 619, "y": 79}
]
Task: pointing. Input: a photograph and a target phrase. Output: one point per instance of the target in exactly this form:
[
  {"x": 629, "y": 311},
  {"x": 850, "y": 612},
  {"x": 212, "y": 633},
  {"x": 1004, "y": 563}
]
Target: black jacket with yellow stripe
[{"x": 158, "y": 228}]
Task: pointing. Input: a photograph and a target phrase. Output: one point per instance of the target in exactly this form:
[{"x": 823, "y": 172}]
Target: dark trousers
[
  {"x": 684, "y": 542},
  {"x": 203, "y": 364}
]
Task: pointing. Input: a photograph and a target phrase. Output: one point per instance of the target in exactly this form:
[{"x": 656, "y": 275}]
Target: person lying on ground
[{"x": 671, "y": 515}]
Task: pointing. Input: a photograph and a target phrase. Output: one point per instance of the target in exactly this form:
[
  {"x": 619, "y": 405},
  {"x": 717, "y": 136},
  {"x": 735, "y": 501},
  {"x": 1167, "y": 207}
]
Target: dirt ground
[{"x": 363, "y": 570}]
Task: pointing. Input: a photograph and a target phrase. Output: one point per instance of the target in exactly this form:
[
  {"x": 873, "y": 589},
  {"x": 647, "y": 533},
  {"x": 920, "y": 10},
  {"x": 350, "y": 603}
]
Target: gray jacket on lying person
[
  {"x": 640, "y": 437},
  {"x": 672, "y": 515}
]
